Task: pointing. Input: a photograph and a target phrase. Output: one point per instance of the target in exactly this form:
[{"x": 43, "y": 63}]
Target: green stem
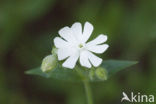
[
  {"x": 88, "y": 91},
  {"x": 86, "y": 86}
]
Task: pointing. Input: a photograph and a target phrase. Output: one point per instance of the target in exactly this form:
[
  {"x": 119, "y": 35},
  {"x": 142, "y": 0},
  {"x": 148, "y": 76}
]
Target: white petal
[
  {"x": 96, "y": 61},
  {"x": 88, "y": 29},
  {"x": 99, "y": 40},
  {"x": 71, "y": 61},
  {"x": 63, "y": 53},
  {"x": 84, "y": 61},
  {"x": 77, "y": 30},
  {"x": 67, "y": 34},
  {"x": 60, "y": 43},
  {"x": 98, "y": 48}
]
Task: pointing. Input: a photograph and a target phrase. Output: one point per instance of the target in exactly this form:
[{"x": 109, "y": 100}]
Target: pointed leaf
[
  {"x": 114, "y": 66},
  {"x": 78, "y": 74}
]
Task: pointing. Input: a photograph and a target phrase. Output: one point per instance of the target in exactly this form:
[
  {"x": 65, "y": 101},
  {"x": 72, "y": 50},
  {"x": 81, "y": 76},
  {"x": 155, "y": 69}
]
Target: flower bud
[
  {"x": 101, "y": 73},
  {"x": 91, "y": 74},
  {"x": 49, "y": 63}
]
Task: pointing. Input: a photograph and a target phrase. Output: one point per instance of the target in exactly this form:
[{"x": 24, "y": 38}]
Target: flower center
[{"x": 81, "y": 46}]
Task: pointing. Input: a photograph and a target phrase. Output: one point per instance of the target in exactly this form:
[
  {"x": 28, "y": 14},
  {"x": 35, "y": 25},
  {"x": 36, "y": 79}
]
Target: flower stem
[
  {"x": 86, "y": 86},
  {"x": 88, "y": 91}
]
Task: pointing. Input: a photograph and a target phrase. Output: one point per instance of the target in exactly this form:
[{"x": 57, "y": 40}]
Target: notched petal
[
  {"x": 98, "y": 40},
  {"x": 67, "y": 34},
  {"x": 77, "y": 31},
  {"x": 88, "y": 29},
  {"x": 84, "y": 61},
  {"x": 98, "y": 48},
  {"x": 63, "y": 53},
  {"x": 60, "y": 43},
  {"x": 70, "y": 62},
  {"x": 96, "y": 61}
]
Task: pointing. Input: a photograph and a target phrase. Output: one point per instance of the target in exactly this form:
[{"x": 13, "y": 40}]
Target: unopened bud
[
  {"x": 91, "y": 74},
  {"x": 101, "y": 73},
  {"x": 49, "y": 63}
]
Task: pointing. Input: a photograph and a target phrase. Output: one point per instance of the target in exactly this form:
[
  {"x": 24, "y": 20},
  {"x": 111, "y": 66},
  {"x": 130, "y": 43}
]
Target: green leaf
[
  {"x": 58, "y": 73},
  {"x": 78, "y": 74},
  {"x": 114, "y": 66}
]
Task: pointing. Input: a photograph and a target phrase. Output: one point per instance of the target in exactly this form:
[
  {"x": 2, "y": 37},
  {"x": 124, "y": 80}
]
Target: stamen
[{"x": 80, "y": 45}]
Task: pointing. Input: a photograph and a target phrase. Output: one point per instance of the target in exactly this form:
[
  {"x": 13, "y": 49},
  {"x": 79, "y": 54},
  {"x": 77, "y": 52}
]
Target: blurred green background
[{"x": 27, "y": 29}]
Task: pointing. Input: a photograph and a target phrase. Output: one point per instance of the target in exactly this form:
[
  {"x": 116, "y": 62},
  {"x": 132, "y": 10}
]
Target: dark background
[{"x": 27, "y": 29}]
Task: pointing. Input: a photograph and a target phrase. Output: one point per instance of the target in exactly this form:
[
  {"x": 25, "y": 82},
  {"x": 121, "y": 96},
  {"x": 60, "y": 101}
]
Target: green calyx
[
  {"x": 54, "y": 51},
  {"x": 101, "y": 73},
  {"x": 49, "y": 63},
  {"x": 91, "y": 74}
]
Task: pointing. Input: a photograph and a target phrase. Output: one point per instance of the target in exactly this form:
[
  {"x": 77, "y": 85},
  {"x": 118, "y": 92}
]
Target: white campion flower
[{"x": 73, "y": 45}]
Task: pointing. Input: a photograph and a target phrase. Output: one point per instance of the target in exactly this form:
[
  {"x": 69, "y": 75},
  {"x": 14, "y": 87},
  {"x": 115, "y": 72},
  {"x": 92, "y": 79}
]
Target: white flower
[{"x": 73, "y": 45}]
